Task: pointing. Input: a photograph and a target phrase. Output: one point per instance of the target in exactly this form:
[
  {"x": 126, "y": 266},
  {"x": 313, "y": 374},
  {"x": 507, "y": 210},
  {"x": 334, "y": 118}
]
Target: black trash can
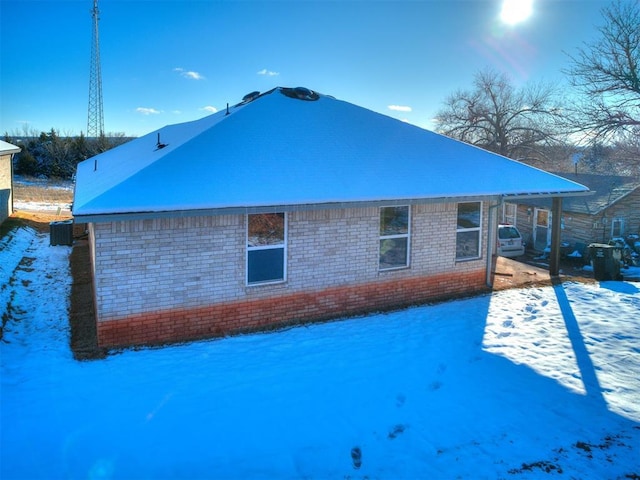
[
  {"x": 606, "y": 261},
  {"x": 61, "y": 233}
]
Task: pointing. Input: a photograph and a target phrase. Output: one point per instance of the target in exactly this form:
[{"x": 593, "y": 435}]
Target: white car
[{"x": 510, "y": 243}]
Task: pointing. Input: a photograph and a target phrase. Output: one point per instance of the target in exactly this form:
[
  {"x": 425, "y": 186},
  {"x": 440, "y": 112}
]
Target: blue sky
[{"x": 166, "y": 61}]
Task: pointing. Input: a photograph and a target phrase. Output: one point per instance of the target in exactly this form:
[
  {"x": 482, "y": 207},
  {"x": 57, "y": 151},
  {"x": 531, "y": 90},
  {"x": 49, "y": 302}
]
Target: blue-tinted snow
[
  {"x": 278, "y": 151},
  {"x": 506, "y": 385}
]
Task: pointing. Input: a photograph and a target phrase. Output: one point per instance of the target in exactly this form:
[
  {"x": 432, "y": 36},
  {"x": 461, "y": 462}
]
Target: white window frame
[
  {"x": 547, "y": 226},
  {"x": 283, "y": 246},
  {"x": 509, "y": 218},
  {"x": 620, "y": 221},
  {"x": 406, "y": 236},
  {"x": 473, "y": 229}
]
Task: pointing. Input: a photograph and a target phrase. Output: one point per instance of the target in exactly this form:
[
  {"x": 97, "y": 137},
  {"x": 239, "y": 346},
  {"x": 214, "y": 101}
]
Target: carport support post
[{"x": 556, "y": 222}]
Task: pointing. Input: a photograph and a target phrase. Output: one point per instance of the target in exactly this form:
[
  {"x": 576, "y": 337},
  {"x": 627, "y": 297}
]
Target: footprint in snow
[
  {"x": 433, "y": 386},
  {"x": 397, "y": 430},
  {"x": 356, "y": 457}
]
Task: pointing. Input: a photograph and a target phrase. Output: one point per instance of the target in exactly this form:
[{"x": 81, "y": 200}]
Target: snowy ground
[
  {"x": 43, "y": 207},
  {"x": 533, "y": 383}
]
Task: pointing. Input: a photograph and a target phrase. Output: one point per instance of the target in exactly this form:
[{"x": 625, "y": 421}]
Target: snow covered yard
[{"x": 532, "y": 383}]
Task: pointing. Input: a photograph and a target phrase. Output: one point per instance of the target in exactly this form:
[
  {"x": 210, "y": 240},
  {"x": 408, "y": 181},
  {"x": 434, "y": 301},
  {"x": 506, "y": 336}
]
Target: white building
[{"x": 7, "y": 151}]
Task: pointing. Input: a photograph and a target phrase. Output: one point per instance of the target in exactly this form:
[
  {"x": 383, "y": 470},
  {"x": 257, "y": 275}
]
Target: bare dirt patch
[
  {"x": 510, "y": 273},
  {"x": 37, "y": 193},
  {"x": 84, "y": 335},
  {"x": 37, "y": 220}
]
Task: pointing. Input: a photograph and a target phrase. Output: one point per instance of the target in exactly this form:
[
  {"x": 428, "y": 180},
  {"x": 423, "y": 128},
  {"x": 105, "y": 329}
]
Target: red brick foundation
[{"x": 250, "y": 315}]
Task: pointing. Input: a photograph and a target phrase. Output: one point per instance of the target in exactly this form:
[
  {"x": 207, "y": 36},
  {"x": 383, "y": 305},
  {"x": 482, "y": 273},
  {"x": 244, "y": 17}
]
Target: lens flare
[{"x": 516, "y": 11}]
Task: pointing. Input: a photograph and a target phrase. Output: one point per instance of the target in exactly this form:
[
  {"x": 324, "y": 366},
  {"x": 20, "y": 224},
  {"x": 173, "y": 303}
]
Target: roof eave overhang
[
  {"x": 10, "y": 151},
  {"x": 243, "y": 210},
  {"x": 532, "y": 196}
]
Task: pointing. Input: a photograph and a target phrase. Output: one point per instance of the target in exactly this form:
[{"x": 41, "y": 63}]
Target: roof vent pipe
[{"x": 160, "y": 145}]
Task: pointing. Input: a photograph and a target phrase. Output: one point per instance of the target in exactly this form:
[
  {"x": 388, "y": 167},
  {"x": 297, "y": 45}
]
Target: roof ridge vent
[{"x": 300, "y": 93}]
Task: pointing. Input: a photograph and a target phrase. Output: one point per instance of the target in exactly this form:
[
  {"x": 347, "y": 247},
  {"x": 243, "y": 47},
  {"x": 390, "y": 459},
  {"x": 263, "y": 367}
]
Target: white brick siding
[
  {"x": 177, "y": 263},
  {"x": 5, "y": 187}
]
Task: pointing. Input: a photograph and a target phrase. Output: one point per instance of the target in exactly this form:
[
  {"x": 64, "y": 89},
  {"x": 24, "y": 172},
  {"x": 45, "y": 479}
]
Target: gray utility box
[
  {"x": 606, "y": 261},
  {"x": 61, "y": 233}
]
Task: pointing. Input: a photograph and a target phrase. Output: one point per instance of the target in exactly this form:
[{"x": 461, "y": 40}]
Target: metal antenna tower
[{"x": 95, "y": 116}]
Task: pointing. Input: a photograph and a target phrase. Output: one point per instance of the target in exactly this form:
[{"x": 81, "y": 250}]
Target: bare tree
[
  {"x": 607, "y": 73},
  {"x": 498, "y": 117},
  {"x": 628, "y": 152}
]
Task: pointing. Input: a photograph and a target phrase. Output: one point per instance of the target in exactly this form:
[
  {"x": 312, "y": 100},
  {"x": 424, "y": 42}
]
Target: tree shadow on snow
[
  {"x": 585, "y": 364},
  {"x": 620, "y": 287}
]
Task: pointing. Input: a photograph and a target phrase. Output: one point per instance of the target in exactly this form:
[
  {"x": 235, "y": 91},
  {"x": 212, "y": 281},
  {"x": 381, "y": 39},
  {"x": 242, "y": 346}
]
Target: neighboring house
[
  {"x": 7, "y": 151},
  {"x": 288, "y": 207},
  {"x": 613, "y": 210}
]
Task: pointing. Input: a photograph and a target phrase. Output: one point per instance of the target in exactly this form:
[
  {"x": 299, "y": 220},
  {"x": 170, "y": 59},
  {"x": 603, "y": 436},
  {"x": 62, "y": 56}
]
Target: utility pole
[{"x": 95, "y": 116}]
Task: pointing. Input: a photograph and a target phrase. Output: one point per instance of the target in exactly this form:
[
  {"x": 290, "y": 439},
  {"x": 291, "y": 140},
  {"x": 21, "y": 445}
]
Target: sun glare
[{"x": 516, "y": 11}]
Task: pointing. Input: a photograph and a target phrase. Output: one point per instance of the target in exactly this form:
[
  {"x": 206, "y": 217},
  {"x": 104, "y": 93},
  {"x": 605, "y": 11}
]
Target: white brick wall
[
  {"x": 197, "y": 261},
  {"x": 5, "y": 187}
]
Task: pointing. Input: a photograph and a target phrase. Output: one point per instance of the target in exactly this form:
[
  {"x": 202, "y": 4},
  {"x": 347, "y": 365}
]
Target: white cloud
[
  {"x": 209, "y": 108},
  {"x": 192, "y": 75},
  {"x": 399, "y": 108},
  {"x": 147, "y": 111},
  {"x": 188, "y": 74},
  {"x": 268, "y": 73}
]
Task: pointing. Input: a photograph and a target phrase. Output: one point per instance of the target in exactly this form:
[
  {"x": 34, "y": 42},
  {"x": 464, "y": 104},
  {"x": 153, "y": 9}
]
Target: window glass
[
  {"x": 393, "y": 253},
  {"x": 265, "y": 265},
  {"x": 394, "y": 237},
  {"x": 266, "y": 247},
  {"x": 617, "y": 227},
  {"x": 468, "y": 230},
  {"x": 509, "y": 213},
  {"x": 394, "y": 220},
  {"x": 266, "y": 229},
  {"x": 542, "y": 218},
  {"x": 469, "y": 215},
  {"x": 467, "y": 245}
]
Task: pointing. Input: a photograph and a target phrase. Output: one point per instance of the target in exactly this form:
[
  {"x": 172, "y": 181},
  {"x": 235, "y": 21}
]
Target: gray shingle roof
[{"x": 607, "y": 190}]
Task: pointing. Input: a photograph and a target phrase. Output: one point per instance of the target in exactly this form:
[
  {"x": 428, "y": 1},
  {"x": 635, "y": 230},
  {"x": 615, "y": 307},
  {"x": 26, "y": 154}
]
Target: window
[
  {"x": 266, "y": 245},
  {"x": 509, "y": 211},
  {"x": 394, "y": 237},
  {"x": 541, "y": 229},
  {"x": 617, "y": 227},
  {"x": 468, "y": 230}
]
